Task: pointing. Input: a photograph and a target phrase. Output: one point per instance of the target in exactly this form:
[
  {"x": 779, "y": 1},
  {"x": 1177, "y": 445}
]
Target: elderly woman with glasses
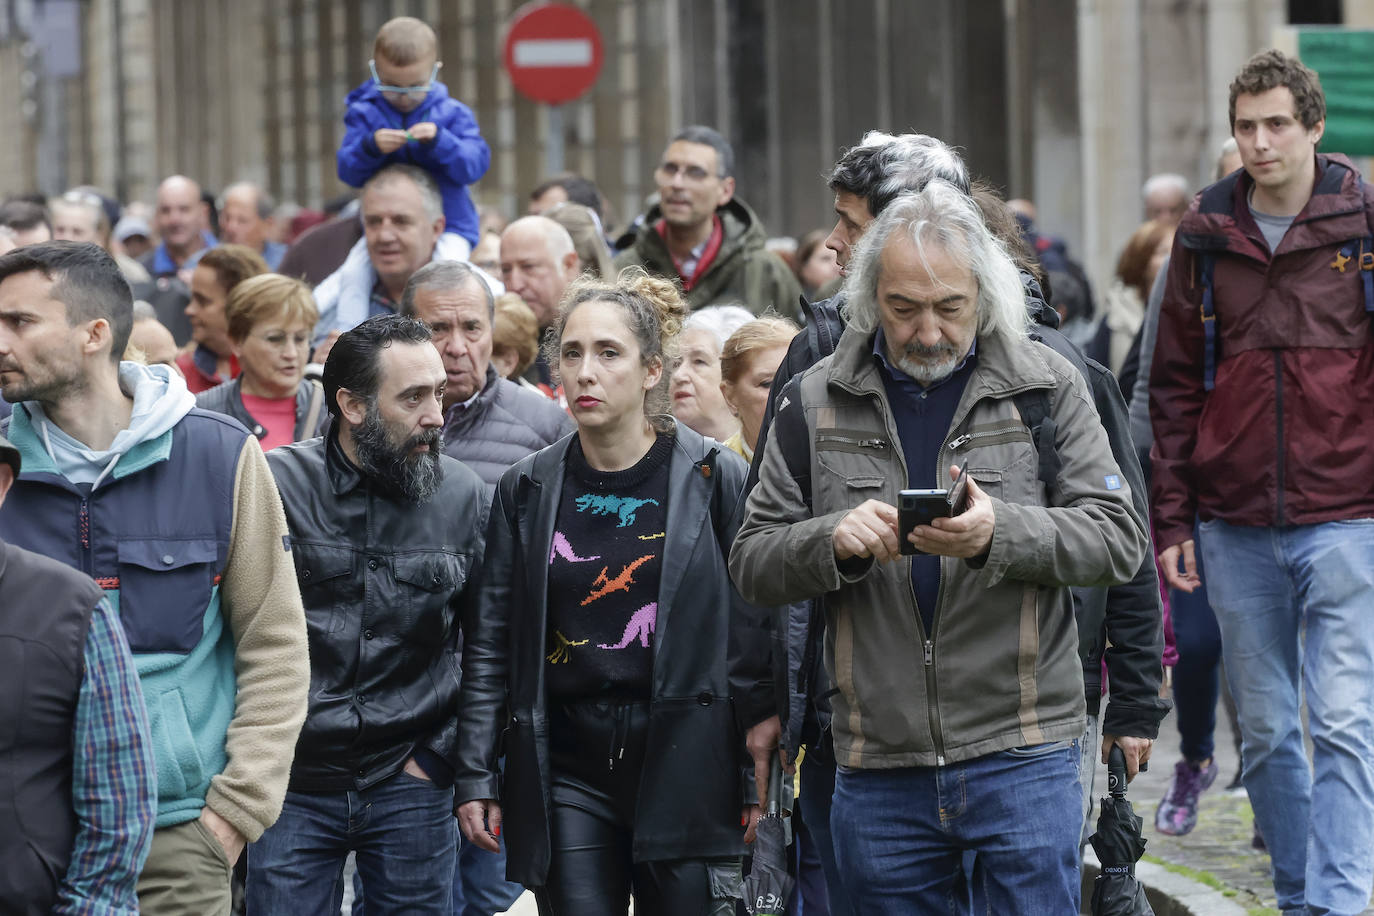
[{"x": 270, "y": 318}]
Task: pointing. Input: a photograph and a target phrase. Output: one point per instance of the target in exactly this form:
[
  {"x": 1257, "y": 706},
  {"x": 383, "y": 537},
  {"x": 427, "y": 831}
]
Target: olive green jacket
[
  {"x": 1000, "y": 668},
  {"x": 743, "y": 272}
]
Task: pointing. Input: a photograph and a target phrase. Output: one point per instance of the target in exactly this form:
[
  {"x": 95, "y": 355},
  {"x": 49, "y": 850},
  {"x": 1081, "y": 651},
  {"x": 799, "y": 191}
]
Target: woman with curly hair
[{"x": 609, "y": 645}]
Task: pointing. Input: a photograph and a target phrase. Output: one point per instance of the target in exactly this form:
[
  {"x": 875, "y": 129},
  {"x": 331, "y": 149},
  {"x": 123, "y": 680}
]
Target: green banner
[{"x": 1344, "y": 59}]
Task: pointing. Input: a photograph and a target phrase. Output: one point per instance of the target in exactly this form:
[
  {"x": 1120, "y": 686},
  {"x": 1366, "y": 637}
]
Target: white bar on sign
[{"x": 553, "y": 52}]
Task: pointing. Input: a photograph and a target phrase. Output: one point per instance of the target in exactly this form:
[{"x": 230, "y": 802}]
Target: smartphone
[{"x": 920, "y": 507}]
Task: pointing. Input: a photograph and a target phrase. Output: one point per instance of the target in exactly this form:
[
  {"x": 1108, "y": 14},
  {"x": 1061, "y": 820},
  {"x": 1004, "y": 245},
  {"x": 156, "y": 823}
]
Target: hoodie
[{"x": 161, "y": 399}]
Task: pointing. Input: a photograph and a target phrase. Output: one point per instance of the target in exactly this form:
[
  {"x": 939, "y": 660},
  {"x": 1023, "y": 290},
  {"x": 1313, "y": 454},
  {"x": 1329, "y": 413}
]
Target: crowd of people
[{"x": 505, "y": 555}]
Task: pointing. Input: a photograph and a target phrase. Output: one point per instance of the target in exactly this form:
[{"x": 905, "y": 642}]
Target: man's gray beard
[
  {"x": 919, "y": 362},
  {"x": 400, "y": 471}
]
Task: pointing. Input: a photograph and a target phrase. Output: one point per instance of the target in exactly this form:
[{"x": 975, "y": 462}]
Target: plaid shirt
[{"x": 114, "y": 782}]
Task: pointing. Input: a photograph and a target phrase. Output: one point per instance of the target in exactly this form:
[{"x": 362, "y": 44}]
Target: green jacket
[
  {"x": 743, "y": 272},
  {"x": 1000, "y": 668}
]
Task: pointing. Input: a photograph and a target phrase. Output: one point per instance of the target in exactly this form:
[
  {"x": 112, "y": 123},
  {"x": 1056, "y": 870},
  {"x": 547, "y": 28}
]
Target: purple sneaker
[{"x": 1177, "y": 813}]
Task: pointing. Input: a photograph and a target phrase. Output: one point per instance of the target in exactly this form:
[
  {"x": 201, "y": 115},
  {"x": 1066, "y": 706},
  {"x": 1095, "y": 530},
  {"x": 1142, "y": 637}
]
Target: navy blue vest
[
  {"x": 45, "y": 611},
  {"x": 160, "y": 535}
]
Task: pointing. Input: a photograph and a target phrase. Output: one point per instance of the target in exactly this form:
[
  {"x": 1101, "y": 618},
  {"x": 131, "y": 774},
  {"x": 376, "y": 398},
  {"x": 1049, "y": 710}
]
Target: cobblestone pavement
[{"x": 1217, "y": 851}]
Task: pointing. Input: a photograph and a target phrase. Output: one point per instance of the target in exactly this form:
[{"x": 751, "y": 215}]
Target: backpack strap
[
  {"x": 1207, "y": 262},
  {"x": 1034, "y": 407}
]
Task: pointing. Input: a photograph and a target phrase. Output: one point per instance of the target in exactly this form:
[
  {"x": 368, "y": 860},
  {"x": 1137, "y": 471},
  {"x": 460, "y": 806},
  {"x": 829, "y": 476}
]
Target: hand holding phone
[{"x": 921, "y": 507}]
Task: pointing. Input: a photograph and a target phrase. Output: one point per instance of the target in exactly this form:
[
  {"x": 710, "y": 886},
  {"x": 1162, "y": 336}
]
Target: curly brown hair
[
  {"x": 1273, "y": 69},
  {"x": 654, "y": 311}
]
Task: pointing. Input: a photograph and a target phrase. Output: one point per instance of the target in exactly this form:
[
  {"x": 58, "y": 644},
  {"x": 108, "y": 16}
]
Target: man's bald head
[
  {"x": 180, "y": 215},
  {"x": 538, "y": 261}
]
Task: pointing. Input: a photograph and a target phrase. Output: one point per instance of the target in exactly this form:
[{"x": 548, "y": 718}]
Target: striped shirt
[{"x": 114, "y": 782}]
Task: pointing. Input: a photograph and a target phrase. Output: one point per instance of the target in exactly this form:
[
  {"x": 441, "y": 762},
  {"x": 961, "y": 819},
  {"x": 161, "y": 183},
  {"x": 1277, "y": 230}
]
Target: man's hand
[
  {"x": 389, "y": 140},
  {"x": 414, "y": 769},
  {"x": 228, "y": 836},
  {"x": 966, "y": 535},
  {"x": 868, "y": 530},
  {"x": 1137, "y": 751},
  {"x": 749, "y": 820},
  {"x": 480, "y": 821},
  {"x": 322, "y": 351},
  {"x": 1187, "y": 580},
  {"x": 762, "y": 743},
  {"x": 425, "y": 131}
]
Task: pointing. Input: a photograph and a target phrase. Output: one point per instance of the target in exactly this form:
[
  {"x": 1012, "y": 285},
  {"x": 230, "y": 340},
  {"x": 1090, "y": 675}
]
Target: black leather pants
[{"x": 597, "y": 756}]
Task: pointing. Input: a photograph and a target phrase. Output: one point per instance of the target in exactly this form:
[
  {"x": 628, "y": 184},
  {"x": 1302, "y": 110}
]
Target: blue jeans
[
  {"x": 480, "y": 887},
  {"x": 901, "y": 834},
  {"x": 1197, "y": 682},
  {"x": 1299, "y": 601},
  {"x": 817, "y": 789},
  {"x": 402, "y": 829}
]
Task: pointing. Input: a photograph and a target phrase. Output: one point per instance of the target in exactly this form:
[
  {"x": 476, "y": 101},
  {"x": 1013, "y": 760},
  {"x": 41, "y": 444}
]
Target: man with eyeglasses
[
  {"x": 404, "y": 114},
  {"x": 700, "y": 234}
]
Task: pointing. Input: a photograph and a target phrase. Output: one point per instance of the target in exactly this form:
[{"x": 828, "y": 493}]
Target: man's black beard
[{"x": 400, "y": 471}]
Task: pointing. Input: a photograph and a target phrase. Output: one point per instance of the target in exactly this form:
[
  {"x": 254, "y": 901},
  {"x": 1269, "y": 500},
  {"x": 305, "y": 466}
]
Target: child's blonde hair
[{"x": 404, "y": 40}]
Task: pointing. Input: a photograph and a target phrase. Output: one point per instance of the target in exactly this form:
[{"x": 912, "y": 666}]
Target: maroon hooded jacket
[{"x": 1286, "y": 436}]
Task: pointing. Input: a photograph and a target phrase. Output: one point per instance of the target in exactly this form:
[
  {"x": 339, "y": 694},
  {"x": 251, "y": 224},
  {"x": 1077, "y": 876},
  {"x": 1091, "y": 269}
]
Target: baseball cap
[
  {"x": 131, "y": 226},
  {"x": 9, "y": 454}
]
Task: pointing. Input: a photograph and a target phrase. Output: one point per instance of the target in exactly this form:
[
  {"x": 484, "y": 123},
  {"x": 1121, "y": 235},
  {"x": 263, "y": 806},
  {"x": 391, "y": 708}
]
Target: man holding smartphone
[{"x": 959, "y": 703}]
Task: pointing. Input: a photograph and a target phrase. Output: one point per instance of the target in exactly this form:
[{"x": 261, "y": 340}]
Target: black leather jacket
[
  {"x": 708, "y": 664},
  {"x": 385, "y": 585}
]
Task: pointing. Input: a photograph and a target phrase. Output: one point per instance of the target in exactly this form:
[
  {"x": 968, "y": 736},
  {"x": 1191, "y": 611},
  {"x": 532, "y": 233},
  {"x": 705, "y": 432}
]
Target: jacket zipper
[
  {"x": 1278, "y": 435},
  {"x": 863, "y": 443},
  {"x": 84, "y": 527}
]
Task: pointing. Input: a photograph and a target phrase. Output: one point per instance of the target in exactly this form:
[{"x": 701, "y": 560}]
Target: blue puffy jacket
[{"x": 456, "y": 157}]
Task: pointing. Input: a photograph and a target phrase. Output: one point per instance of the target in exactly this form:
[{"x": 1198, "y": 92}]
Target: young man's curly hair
[{"x": 1272, "y": 69}]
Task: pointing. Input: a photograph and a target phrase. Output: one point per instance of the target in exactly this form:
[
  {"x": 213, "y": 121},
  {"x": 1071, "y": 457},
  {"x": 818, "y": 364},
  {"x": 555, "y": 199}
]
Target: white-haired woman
[{"x": 697, "y": 398}]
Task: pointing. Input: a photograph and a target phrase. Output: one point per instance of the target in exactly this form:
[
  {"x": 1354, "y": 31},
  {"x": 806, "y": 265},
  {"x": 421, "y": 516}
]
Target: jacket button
[
  {"x": 371, "y": 564},
  {"x": 367, "y": 634},
  {"x": 705, "y": 699},
  {"x": 305, "y": 574},
  {"x": 168, "y": 559},
  {"x": 361, "y": 773},
  {"x": 438, "y": 581},
  {"x": 362, "y": 699}
]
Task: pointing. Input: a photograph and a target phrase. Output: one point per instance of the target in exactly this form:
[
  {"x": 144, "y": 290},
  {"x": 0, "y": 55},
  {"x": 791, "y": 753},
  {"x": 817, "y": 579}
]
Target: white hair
[
  {"x": 557, "y": 241},
  {"x": 720, "y": 320},
  {"x": 944, "y": 217},
  {"x": 1165, "y": 181}
]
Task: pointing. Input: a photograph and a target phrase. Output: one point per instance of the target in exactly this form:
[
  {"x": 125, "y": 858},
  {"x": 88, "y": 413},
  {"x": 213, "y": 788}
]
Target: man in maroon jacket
[{"x": 1261, "y": 396}]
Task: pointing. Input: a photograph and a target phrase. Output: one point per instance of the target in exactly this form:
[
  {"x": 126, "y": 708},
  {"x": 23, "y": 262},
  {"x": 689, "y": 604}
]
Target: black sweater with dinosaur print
[{"x": 603, "y": 577}]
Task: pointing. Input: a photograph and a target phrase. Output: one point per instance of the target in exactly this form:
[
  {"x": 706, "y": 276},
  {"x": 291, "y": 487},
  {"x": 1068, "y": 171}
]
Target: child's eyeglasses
[{"x": 422, "y": 89}]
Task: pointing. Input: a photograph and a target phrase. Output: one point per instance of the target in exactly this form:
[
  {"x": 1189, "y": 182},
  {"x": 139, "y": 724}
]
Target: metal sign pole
[{"x": 553, "y": 147}]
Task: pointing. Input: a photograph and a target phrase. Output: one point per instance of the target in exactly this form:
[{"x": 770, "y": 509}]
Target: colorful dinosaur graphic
[
  {"x": 602, "y": 586},
  {"x": 560, "y": 652},
  {"x": 622, "y": 507},
  {"x": 563, "y": 549},
  {"x": 640, "y": 627}
]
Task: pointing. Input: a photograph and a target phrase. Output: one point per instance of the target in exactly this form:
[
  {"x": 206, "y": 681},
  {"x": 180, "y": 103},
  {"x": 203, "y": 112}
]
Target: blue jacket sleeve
[
  {"x": 458, "y": 152},
  {"x": 358, "y": 157},
  {"x": 114, "y": 782}
]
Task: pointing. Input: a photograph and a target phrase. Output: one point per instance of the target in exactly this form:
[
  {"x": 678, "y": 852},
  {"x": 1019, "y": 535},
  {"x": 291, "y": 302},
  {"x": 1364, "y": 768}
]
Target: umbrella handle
[
  {"x": 1116, "y": 772},
  {"x": 775, "y": 786}
]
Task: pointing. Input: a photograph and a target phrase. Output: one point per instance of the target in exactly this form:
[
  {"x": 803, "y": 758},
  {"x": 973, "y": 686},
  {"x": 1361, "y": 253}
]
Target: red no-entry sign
[{"x": 553, "y": 52}]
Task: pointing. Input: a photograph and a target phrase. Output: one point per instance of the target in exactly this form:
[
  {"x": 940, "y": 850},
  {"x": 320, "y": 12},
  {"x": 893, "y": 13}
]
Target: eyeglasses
[
  {"x": 421, "y": 90},
  {"x": 692, "y": 174},
  {"x": 280, "y": 340}
]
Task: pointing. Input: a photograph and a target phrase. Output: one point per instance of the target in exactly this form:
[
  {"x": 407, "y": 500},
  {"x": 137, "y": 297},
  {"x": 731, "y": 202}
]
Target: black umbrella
[
  {"x": 768, "y": 885},
  {"x": 1118, "y": 845}
]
